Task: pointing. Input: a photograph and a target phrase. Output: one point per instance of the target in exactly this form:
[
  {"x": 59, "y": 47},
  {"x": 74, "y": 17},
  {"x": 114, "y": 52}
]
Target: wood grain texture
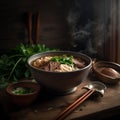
[{"x": 47, "y": 106}]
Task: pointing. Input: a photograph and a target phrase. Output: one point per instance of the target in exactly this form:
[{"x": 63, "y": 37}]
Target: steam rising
[{"x": 81, "y": 28}]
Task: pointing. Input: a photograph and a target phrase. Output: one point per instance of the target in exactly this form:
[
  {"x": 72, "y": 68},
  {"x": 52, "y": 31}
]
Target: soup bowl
[{"x": 60, "y": 82}]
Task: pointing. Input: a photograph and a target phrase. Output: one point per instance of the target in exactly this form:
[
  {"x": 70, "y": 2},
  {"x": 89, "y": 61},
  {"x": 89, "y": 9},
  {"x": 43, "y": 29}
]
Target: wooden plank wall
[
  {"x": 13, "y": 22},
  {"x": 53, "y": 31},
  {"x": 112, "y": 47}
]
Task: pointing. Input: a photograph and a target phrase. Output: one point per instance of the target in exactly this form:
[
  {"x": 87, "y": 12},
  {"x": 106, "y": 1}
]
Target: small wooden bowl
[
  {"x": 23, "y": 99},
  {"x": 107, "y": 72}
]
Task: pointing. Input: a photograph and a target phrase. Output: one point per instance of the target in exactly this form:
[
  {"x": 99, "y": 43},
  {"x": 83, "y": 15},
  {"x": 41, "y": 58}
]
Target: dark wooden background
[{"x": 54, "y": 31}]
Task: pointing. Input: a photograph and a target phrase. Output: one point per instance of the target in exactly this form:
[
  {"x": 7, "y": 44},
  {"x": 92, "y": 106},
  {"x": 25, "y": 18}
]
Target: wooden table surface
[{"x": 47, "y": 107}]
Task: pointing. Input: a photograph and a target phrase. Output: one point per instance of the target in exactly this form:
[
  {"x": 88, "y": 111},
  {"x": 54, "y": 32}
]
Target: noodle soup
[
  {"x": 59, "y": 72},
  {"x": 58, "y": 63}
]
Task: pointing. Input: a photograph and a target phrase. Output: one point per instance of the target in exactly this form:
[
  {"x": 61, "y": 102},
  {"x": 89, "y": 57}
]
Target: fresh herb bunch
[
  {"x": 13, "y": 65},
  {"x": 63, "y": 59}
]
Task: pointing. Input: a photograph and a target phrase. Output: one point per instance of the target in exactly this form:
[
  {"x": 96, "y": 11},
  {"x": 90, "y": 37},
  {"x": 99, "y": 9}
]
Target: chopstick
[
  {"x": 37, "y": 32},
  {"x": 30, "y": 28},
  {"x": 31, "y": 23},
  {"x": 75, "y": 104}
]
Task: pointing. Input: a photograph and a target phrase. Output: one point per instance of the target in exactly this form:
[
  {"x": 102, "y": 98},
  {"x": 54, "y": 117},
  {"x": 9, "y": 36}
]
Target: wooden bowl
[
  {"x": 23, "y": 99},
  {"x": 107, "y": 72}
]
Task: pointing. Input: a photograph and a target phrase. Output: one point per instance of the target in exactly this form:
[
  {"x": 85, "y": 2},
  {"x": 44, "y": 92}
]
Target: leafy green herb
[
  {"x": 13, "y": 65},
  {"x": 21, "y": 90},
  {"x": 63, "y": 59}
]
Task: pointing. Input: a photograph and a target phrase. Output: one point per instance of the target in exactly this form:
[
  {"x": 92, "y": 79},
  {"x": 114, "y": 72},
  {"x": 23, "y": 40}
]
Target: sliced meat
[
  {"x": 45, "y": 67},
  {"x": 50, "y": 66},
  {"x": 53, "y": 65},
  {"x": 78, "y": 63}
]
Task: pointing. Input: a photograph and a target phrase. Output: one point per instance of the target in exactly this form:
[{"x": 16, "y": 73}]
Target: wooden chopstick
[
  {"x": 30, "y": 28},
  {"x": 75, "y": 104},
  {"x": 37, "y": 32}
]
